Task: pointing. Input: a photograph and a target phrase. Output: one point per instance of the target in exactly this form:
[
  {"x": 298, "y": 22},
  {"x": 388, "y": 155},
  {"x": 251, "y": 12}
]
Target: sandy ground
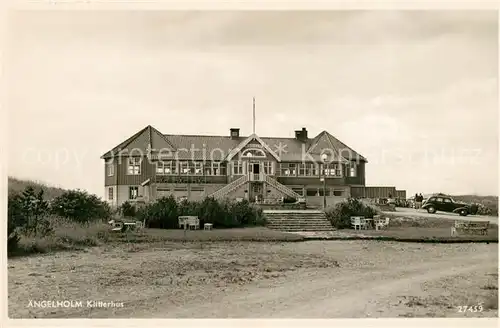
[
  {"x": 315, "y": 279},
  {"x": 410, "y": 212}
]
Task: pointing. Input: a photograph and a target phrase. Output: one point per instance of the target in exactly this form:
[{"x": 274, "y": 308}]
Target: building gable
[
  {"x": 253, "y": 141},
  {"x": 323, "y": 144}
]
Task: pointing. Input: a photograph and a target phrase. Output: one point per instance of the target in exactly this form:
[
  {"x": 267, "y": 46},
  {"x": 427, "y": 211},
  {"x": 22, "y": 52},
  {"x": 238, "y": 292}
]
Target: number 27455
[{"x": 467, "y": 308}]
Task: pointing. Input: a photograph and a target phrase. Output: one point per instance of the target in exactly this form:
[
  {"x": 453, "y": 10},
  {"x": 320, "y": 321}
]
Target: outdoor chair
[
  {"x": 382, "y": 223},
  {"x": 358, "y": 222},
  {"x": 193, "y": 222},
  {"x": 207, "y": 226}
]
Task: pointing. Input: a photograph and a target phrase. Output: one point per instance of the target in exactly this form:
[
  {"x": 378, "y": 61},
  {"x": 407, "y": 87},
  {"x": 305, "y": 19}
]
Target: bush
[
  {"x": 128, "y": 210},
  {"x": 164, "y": 213},
  {"x": 340, "y": 214},
  {"x": 80, "y": 206}
]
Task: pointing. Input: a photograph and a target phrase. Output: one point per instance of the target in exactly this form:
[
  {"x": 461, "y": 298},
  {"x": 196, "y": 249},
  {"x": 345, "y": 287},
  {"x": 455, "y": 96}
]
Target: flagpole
[{"x": 254, "y": 115}]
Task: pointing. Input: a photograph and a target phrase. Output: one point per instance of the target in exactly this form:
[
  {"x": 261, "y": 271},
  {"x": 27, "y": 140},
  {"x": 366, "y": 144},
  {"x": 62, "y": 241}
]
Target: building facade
[{"x": 150, "y": 165}]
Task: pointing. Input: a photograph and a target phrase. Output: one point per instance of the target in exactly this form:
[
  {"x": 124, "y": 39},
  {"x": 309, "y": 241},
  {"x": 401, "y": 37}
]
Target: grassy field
[{"x": 73, "y": 236}]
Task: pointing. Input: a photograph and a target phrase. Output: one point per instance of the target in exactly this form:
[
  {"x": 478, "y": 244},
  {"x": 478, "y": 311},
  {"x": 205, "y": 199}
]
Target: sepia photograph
[{"x": 319, "y": 164}]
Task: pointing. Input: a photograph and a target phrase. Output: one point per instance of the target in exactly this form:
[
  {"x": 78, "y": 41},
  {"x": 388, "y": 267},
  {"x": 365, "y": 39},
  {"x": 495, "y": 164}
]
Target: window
[
  {"x": 213, "y": 168},
  {"x": 288, "y": 169},
  {"x": 284, "y": 169},
  {"x": 439, "y": 200},
  {"x": 302, "y": 169},
  {"x": 352, "y": 170},
  {"x": 447, "y": 200},
  {"x": 299, "y": 191},
  {"x": 110, "y": 168},
  {"x": 268, "y": 168},
  {"x": 253, "y": 153},
  {"x": 307, "y": 169},
  {"x": 133, "y": 192},
  {"x": 338, "y": 192},
  {"x": 134, "y": 166},
  {"x": 338, "y": 169},
  {"x": 237, "y": 168},
  {"x": 312, "y": 192},
  {"x": 332, "y": 169},
  {"x": 110, "y": 193},
  {"x": 184, "y": 167},
  {"x": 167, "y": 167},
  {"x": 315, "y": 169},
  {"x": 198, "y": 168}
]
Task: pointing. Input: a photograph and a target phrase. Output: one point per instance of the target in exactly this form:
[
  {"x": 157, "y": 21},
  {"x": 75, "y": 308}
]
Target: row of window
[
  {"x": 218, "y": 168},
  {"x": 319, "y": 191},
  {"x": 133, "y": 191}
]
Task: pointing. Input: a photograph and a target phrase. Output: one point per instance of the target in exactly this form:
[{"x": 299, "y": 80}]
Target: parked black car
[{"x": 447, "y": 204}]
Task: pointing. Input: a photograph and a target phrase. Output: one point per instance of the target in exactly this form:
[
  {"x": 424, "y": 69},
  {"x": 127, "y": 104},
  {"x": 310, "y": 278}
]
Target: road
[{"x": 443, "y": 215}]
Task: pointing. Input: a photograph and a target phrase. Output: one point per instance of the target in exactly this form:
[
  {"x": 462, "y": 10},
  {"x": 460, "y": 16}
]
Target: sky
[{"x": 414, "y": 92}]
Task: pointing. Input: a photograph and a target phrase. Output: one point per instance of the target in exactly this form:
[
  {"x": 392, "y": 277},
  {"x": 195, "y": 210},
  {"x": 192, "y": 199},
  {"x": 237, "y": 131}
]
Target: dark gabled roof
[
  {"x": 288, "y": 149},
  {"x": 149, "y": 136}
]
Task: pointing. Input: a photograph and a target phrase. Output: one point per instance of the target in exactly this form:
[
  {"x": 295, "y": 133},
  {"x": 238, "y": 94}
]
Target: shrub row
[{"x": 164, "y": 213}]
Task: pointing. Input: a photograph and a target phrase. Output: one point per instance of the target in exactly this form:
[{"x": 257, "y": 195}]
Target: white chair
[
  {"x": 358, "y": 222},
  {"x": 382, "y": 223},
  {"x": 207, "y": 226},
  {"x": 193, "y": 222}
]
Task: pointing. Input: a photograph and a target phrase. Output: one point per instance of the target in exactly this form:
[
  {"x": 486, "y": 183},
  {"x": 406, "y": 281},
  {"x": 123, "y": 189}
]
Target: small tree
[{"x": 33, "y": 209}]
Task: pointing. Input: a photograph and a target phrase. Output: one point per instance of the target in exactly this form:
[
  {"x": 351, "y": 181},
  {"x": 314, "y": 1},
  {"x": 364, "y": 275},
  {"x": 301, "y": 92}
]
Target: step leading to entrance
[{"x": 297, "y": 220}]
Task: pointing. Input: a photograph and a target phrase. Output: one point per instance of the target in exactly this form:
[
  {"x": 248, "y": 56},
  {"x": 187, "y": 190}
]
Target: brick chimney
[
  {"x": 235, "y": 133},
  {"x": 301, "y": 135},
  {"x": 304, "y": 134}
]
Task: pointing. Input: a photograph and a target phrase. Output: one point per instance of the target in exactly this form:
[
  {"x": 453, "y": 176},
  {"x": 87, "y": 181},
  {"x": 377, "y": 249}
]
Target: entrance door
[
  {"x": 256, "y": 168},
  {"x": 254, "y": 171}
]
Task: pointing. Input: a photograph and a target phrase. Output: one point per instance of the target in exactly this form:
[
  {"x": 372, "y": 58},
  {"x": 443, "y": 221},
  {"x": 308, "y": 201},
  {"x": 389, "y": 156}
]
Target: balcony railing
[{"x": 256, "y": 177}]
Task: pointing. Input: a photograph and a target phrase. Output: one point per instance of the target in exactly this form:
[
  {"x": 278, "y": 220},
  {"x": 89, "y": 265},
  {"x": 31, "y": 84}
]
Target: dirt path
[
  {"x": 333, "y": 294},
  {"x": 372, "y": 279}
]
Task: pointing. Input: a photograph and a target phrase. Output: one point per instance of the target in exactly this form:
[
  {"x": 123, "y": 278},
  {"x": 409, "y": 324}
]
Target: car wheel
[
  {"x": 463, "y": 213},
  {"x": 431, "y": 209}
]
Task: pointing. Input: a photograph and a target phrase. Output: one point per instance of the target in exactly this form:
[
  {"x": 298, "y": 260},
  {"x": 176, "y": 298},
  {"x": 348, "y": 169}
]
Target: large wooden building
[{"x": 150, "y": 165}]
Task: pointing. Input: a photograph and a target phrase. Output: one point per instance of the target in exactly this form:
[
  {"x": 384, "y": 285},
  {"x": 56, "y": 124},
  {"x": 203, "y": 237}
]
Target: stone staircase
[{"x": 297, "y": 220}]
